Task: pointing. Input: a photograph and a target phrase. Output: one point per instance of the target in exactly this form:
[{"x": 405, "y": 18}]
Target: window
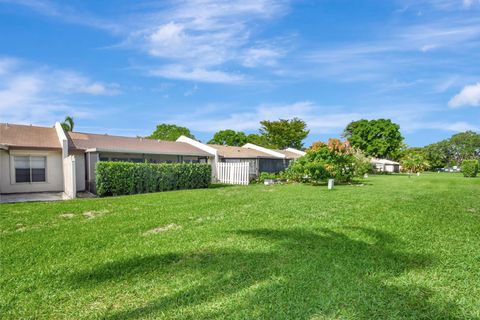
[{"x": 30, "y": 169}]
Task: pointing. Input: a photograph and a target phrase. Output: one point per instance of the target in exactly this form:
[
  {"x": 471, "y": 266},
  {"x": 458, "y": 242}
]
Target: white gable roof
[{"x": 384, "y": 161}]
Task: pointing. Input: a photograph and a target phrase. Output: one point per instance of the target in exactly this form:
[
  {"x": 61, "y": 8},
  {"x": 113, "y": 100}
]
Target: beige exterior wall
[
  {"x": 54, "y": 172},
  {"x": 80, "y": 171}
]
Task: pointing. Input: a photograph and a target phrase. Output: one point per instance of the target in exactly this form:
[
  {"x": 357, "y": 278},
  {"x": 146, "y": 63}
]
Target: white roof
[{"x": 383, "y": 161}]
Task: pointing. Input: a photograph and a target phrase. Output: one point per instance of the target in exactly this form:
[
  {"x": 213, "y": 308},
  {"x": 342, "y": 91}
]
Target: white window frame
[{"x": 13, "y": 177}]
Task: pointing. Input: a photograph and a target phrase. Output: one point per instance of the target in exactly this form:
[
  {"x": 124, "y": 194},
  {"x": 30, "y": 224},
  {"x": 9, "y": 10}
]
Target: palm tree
[{"x": 67, "y": 124}]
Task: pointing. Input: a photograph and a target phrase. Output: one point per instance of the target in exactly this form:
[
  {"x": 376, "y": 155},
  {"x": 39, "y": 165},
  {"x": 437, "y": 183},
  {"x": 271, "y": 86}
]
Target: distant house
[
  {"x": 41, "y": 159},
  {"x": 260, "y": 159},
  {"x": 385, "y": 165}
]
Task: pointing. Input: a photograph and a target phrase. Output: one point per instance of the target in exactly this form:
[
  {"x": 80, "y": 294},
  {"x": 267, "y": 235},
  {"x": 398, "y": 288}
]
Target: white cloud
[
  {"x": 180, "y": 72},
  {"x": 65, "y": 13},
  {"x": 258, "y": 56},
  {"x": 469, "y": 3},
  {"x": 41, "y": 95},
  {"x": 7, "y": 64},
  {"x": 460, "y": 126},
  {"x": 72, "y": 82},
  {"x": 428, "y": 47},
  {"x": 320, "y": 119},
  {"x": 317, "y": 121},
  {"x": 469, "y": 96},
  {"x": 448, "y": 5},
  {"x": 203, "y": 36},
  {"x": 22, "y": 101}
]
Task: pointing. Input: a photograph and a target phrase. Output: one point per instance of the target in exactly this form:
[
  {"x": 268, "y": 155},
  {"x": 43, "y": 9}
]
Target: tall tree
[
  {"x": 440, "y": 154},
  {"x": 376, "y": 138},
  {"x": 257, "y": 139},
  {"x": 229, "y": 138},
  {"x": 452, "y": 151},
  {"x": 466, "y": 146},
  {"x": 414, "y": 160},
  {"x": 284, "y": 133},
  {"x": 68, "y": 123},
  {"x": 170, "y": 132}
]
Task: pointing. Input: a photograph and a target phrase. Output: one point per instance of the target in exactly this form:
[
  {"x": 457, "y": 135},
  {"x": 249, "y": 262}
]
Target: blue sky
[{"x": 121, "y": 67}]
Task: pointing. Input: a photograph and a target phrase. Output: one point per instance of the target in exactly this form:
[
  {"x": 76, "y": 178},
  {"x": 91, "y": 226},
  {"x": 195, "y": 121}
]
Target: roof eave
[{"x": 148, "y": 152}]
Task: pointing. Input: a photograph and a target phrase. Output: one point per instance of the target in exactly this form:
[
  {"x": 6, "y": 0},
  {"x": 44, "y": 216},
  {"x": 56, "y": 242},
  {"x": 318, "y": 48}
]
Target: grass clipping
[{"x": 171, "y": 226}]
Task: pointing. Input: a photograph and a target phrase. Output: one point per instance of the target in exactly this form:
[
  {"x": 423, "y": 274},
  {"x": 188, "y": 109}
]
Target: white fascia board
[
  {"x": 264, "y": 150},
  {"x": 293, "y": 150},
  {"x": 199, "y": 145},
  {"x": 62, "y": 137}
]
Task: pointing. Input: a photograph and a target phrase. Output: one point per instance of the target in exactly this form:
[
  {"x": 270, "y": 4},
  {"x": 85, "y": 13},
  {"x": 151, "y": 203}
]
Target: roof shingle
[
  {"x": 104, "y": 142},
  {"x": 240, "y": 152},
  {"x": 25, "y": 136}
]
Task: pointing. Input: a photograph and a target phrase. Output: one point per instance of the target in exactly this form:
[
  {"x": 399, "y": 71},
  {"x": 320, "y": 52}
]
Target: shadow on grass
[
  {"x": 299, "y": 274},
  {"x": 220, "y": 185}
]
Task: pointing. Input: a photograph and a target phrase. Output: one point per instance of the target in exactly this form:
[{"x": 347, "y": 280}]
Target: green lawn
[{"x": 393, "y": 248}]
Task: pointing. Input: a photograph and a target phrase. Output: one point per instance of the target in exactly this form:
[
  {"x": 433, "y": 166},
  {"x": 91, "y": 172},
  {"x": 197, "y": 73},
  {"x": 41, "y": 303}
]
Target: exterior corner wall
[{"x": 62, "y": 138}]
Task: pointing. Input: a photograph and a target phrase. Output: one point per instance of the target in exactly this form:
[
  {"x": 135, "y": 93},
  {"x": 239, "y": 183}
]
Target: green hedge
[
  {"x": 118, "y": 178},
  {"x": 470, "y": 168}
]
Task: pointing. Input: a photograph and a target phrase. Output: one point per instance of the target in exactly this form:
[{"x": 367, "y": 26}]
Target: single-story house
[
  {"x": 40, "y": 159},
  {"x": 385, "y": 165},
  {"x": 260, "y": 159}
]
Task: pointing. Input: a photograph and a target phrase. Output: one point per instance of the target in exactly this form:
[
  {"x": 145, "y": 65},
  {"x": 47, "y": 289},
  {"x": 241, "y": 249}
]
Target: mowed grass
[{"x": 392, "y": 248}]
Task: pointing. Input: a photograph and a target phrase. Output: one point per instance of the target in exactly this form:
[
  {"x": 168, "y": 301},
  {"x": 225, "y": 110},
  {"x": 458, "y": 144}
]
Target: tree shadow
[
  {"x": 301, "y": 274},
  {"x": 220, "y": 186}
]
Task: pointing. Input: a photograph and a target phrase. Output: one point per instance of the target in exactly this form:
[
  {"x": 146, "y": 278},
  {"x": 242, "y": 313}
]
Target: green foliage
[
  {"x": 466, "y": 145},
  {"x": 376, "y": 138},
  {"x": 170, "y": 132},
  {"x": 257, "y": 139},
  {"x": 452, "y": 151},
  {"x": 229, "y": 138},
  {"x": 267, "y": 175},
  {"x": 68, "y": 124},
  {"x": 362, "y": 164},
  {"x": 439, "y": 154},
  {"x": 119, "y": 178},
  {"x": 283, "y": 133},
  {"x": 414, "y": 160},
  {"x": 324, "y": 161},
  {"x": 470, "y": 168}
]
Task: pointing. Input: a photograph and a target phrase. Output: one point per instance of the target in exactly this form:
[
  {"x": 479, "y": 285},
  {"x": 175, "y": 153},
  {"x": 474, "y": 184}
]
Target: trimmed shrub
[
  {"x": 119, "y": 178},
  {"x": 266, "y": 176},
  {"x": 335, "y": 160},
  {"x": 470, "y": 168}
]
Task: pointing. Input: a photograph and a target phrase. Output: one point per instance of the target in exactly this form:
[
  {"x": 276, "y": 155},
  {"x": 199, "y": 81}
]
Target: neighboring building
[
  {"x": 30, "y": 159},
  {"x": 103, "y": 147},
  {"x": 40, "y": 159},
  {"x": 260, "y": 159},
  {"x": 385, "y": 165}
]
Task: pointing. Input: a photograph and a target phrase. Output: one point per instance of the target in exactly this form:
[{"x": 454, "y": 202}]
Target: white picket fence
[{"x": 233, "y": 173}]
